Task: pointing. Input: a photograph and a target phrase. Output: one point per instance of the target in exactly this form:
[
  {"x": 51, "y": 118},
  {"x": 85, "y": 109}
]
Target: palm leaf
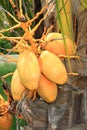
[{"x": 64, "y": 18}]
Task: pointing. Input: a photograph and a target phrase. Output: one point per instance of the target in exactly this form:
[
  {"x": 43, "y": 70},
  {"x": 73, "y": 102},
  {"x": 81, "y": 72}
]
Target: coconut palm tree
[{"x": 68, "y": 17}]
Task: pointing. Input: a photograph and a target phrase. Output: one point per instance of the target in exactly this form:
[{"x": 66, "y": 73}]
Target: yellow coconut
[
  {"x": 17, "y": 88},
  {"x": 55, "y": 44},
  {"x": 47, "y": 89},
  {"x": 29, "y": 69},
  {"x": 6, "y": 118},
  {"x": 6, "y": 121},
  {"x": 52, "y": 67}
]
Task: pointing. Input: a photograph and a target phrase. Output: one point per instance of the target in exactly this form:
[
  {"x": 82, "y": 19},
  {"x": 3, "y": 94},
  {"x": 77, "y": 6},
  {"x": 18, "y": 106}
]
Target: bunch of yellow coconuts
[{"x": 43, "y": 73}]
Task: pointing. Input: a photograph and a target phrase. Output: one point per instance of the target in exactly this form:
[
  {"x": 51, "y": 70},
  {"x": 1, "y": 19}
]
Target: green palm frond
[
  {"x": 65, "y": 22},
  {"x": 64, "y": 14}
]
